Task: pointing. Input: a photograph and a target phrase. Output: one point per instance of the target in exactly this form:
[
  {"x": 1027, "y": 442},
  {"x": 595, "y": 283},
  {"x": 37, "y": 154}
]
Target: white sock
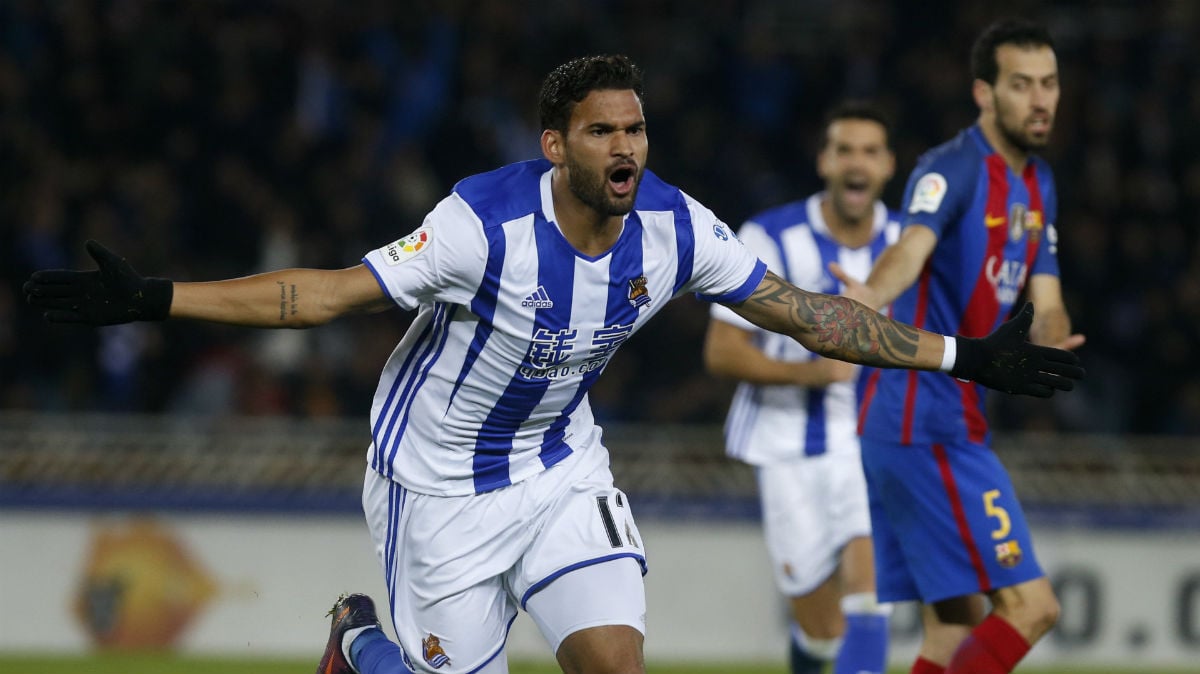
[
  {"x": 821, "y": 649},
  {"x": 864, "y": 602}
]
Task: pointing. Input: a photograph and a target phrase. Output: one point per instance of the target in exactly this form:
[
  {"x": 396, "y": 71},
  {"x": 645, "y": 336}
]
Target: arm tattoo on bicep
[{"x": 841, "y": 327}]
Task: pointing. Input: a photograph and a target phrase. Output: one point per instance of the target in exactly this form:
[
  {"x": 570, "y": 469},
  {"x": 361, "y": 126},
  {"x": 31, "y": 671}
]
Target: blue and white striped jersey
[
  {"x": 781, "y": 423},
  {"x": 489, "y": 385}
]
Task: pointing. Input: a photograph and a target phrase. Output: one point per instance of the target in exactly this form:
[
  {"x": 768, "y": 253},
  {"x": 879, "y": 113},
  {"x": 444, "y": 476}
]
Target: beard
[
  {"x": 591, "y": 187},
  {"x": 1015, "y": 133}
]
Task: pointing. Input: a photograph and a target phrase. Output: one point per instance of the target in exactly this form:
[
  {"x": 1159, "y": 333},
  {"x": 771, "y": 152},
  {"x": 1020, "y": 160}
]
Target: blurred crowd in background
[{"x": 205, "y": 140}]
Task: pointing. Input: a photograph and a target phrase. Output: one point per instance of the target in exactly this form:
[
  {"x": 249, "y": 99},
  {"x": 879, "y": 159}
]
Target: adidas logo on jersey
[{"x": 538, "y": 299}]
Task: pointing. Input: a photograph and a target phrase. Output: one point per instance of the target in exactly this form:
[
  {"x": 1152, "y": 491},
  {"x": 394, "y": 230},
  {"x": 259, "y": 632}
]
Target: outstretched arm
[
  {"x": 115, "y": 293},
  {"x": 289, "y": 298},
  {"x": 730, "y": 351},
  {"x": 841, "y": 328}
]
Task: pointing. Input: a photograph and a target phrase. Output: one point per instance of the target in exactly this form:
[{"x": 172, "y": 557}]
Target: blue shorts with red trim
[{"x": 945, "y": 521}]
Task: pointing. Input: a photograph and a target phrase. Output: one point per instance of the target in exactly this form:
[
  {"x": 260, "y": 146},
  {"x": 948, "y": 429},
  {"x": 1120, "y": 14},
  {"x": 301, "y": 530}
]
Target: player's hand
[
  {"x": 1006, "y": 361},
  {"x": 1071, "y": 342},
  {"x": 112, "y": 294},
  {"x": 855, "y": 289}
]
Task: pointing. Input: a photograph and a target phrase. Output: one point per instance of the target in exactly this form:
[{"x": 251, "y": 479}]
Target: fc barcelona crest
[
  {"x": 639, "y": 295},
  {"x": 1008, "y": 554}
]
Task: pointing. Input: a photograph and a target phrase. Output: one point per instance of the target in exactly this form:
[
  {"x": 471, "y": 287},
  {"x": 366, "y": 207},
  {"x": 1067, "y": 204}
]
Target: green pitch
[{"x": 174, "y": 664}]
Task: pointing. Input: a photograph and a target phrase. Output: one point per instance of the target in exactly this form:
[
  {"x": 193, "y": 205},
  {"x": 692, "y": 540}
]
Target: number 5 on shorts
[{"x": 993, "y": 510}]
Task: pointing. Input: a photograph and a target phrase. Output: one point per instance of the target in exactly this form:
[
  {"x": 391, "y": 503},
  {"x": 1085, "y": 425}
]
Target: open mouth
[
  {"x": 857, "y": 186},
  {"x": 621, "y": 179}
]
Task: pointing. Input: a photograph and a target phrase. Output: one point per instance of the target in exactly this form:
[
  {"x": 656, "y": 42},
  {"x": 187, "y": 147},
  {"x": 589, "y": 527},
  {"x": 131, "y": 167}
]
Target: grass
[{"x": 174, "y": 664}]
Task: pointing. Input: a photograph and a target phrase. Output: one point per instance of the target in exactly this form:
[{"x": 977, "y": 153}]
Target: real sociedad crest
[
  {"x": 431, "y": 650},
  {"x": 639, "y": 295}
]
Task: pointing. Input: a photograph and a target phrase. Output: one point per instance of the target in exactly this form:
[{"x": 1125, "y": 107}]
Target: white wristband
[{"x": 949, "y": 354}]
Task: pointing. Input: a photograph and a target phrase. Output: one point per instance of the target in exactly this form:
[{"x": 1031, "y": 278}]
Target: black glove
[
  {"x": 114, "y": 293},
  {"x": 1006, "y": 361}
]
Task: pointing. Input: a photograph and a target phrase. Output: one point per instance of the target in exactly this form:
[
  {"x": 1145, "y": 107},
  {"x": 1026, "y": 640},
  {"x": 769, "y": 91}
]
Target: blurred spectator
[{"x": 211, "y": 139}]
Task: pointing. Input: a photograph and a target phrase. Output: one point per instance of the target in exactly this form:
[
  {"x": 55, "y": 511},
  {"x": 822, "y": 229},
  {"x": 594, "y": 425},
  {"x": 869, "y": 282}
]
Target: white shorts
[
  {"x": 458, "y": 567},
  {"x": 811, "y": 508}
]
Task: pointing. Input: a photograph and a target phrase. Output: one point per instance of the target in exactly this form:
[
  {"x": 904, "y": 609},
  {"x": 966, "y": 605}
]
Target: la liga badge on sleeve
[{"x": 405, "y": 249}]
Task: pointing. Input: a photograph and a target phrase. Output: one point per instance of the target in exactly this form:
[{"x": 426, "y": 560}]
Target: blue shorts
[{"x": 945, "y": 521}]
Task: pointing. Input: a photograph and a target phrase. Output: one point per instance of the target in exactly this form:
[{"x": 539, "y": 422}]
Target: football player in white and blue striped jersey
[
  {"x": 487, "y": 486},
  {"x": 794, "y": 414}
]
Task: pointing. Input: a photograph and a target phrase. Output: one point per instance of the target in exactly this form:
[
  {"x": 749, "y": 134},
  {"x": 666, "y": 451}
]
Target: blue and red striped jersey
[{"x": 995, "y": 228}]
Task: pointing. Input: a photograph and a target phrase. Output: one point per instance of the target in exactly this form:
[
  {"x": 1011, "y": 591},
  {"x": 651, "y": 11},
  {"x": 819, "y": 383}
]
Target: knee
[
  {"x": 1032, "y": 613},
  {"x": 1045, "y": 614}
]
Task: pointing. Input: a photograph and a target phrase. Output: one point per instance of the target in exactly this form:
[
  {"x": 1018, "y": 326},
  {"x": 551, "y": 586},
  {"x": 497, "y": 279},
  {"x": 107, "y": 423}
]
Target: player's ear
[
  {"x": 552, "y": 146},
  {"x": 983, "y": 94}
]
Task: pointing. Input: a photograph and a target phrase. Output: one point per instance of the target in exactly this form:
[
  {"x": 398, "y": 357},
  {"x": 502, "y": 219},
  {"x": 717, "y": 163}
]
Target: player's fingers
[
  {"x": 1071, "y": 343},
  {"x": 103, "y": 256},
  {"x": 56, "y": 277},
  {"x": 1061, "y": 363},
  {"x": 1038, "y": 390},
  {"x": 56, "y": 302},
  {"x": 1055, "y": 381},
  {"x": 1019, "y": 324},
  {"x": 54, "y": 290},
  {"x": 840, "y": 274},
  {"x": 1058, "y": 355}
]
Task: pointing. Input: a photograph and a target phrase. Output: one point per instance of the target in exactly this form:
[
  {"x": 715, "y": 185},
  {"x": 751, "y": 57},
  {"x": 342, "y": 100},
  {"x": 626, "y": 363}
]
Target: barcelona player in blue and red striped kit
[{"x": 980, "y": 213}]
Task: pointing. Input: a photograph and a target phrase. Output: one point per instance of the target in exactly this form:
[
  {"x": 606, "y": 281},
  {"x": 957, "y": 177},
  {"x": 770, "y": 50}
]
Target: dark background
[{"x": 205, "y": 140}]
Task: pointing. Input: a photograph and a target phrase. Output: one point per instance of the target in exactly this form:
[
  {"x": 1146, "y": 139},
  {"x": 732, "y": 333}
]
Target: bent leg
[
  {"x": 1022, "y": 615},
  {"x": 1030, "y": 607}
]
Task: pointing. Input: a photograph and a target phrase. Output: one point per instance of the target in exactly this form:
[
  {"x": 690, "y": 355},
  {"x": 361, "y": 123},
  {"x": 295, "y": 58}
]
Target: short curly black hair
[
  {"x": 1018, "y": 32},
  {"x": 570, "y": 83}
]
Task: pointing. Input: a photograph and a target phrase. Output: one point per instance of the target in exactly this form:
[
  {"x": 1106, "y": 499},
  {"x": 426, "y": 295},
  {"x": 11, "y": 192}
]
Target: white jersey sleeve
[
  {"x": 442, "y": 261},
  {"x": 723, "y": 270},
  {"x": 755, "y": 239}
]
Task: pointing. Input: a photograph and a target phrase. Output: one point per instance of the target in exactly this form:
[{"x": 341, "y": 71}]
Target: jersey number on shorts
[
  {"x": 610, "y": 524},
  {"x": 993, "y": 510}
]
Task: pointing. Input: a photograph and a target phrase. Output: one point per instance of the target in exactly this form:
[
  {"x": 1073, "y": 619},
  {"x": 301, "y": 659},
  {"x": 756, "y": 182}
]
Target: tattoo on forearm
[
  {"x": 843, "y": 328},
  {"x": 284, "y": 300}
]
